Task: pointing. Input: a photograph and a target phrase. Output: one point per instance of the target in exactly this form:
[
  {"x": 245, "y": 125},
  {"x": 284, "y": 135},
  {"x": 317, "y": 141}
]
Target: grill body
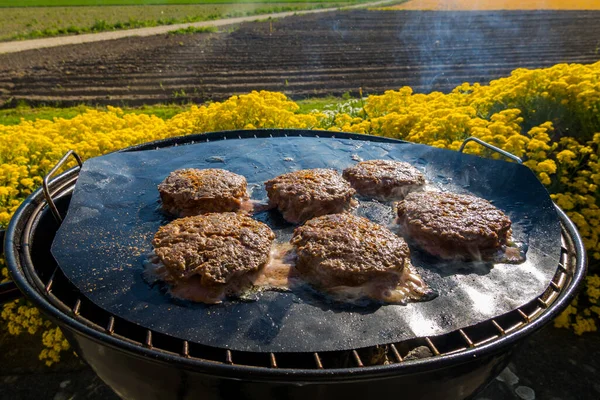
[
  {"x": 140, "y": 364},
  {"x": 134, "y": 377}
]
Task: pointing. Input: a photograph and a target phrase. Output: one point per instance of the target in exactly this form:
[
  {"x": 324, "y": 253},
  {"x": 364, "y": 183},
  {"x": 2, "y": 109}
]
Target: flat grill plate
[{"x": 106, "y": 237}]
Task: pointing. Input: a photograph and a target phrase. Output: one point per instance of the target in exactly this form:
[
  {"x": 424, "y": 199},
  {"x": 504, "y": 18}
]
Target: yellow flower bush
[
  {"x": 54, "y": 343},
  {"x": 22, "y": 318},
  {"x": 549, "y": 117}
]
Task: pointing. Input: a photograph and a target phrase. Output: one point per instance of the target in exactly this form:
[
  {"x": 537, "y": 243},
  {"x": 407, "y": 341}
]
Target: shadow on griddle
[
  {"x": 154, "y": 212},
  {"x": 273, "y": 219}
]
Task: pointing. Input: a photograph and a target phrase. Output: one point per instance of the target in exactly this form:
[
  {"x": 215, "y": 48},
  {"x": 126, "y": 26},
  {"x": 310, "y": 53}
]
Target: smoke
[{"x": 450, "y": 47}]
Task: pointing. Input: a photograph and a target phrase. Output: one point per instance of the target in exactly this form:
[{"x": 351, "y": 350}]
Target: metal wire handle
[
  {"x": 491, "y": 147},
  {"x": 8, "y": 290},
  {"x": 46, "y": 188}
]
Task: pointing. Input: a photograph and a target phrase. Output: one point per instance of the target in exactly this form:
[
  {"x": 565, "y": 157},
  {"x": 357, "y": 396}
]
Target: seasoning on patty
[
  {"x": 353, "y": 257},
  {"x": 305, "y": 194},
  {"x": 453, "y": 226},
  {"x": 384, "y": 180},
  {"x": 191, "y": 191},
  {"x": 206, "y": 257}
]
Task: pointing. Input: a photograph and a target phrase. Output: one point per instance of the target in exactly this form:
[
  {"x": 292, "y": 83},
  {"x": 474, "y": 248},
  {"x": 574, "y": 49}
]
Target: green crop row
[
  {"x": 32, "y": 23},
  {"x": 84, "y": 3}
]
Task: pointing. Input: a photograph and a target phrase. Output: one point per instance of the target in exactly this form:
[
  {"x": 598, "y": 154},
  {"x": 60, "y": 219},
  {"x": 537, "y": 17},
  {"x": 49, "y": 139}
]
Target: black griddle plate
[{"x": 104, "y": 241}]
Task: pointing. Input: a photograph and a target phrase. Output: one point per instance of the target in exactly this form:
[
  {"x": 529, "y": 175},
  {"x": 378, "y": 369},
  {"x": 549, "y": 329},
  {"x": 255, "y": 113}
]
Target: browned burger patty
[
  {"x": 343, "y": 249},
  {"x": 197, "y": 191},
  {"x": 453, "y": 226},
  {"x": 216, "y": 247},
  {"x": 384, "y": 180},
  {"x": 309, "y": 193}
]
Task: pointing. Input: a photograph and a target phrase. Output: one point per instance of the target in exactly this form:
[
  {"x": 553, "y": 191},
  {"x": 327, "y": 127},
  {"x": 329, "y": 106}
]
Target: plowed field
[{"x": 313, "y": 55}]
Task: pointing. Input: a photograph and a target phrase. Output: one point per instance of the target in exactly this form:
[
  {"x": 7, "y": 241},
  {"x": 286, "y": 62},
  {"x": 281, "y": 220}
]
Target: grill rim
[{"x": 16, "y": 247}]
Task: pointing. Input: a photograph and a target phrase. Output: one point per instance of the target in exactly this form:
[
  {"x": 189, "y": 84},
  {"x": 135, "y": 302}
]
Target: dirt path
[{"x": 22, "y": 45}]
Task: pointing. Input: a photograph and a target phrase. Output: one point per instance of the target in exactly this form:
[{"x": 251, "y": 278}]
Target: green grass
[
  {"x": 71, "y": 3},
  {"x": 31, "y": 23},
  {"x": 192, "y": 29},
  {"x": 12, "y": 116},
  {"x": 318, "y": 103}
]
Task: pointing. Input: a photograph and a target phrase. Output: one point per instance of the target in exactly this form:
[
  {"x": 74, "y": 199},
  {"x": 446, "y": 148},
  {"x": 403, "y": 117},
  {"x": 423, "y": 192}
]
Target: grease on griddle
[{"x": 280, "y": 274}]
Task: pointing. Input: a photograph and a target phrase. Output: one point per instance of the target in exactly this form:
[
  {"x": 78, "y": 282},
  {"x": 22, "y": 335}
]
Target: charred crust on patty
[
  {"x": 309, "y": 193},
  {"x": 384, "y": 180},
  {"x": 453, "y": 226},
  {"x": 217, "y": 247},
  {"x": 344, "y": 249},
  {"x": 191, "y": 191}
]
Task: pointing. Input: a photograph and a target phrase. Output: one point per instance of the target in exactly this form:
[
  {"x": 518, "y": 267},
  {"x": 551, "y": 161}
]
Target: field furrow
[{"x": 302, "y": 56}]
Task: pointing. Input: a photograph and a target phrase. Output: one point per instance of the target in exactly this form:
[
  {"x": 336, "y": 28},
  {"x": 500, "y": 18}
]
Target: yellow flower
[
  {"x": 565, "y": 156},
  {"x": 547, "y": 166}
]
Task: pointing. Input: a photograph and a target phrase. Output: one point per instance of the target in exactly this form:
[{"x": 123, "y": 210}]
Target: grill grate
[
  {"x": 51, "y": 281},
  {"x": 67, "y": 298}
]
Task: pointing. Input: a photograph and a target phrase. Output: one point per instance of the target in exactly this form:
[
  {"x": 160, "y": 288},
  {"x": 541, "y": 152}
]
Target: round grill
[{"x": 125, "y": 354}]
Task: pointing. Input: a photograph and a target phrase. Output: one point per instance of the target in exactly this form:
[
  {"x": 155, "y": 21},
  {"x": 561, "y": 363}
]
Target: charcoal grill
[{"x": 138, "y": 363}]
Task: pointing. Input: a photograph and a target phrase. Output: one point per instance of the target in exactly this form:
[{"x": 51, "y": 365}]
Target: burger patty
[
  {"x": 305, "y": 194},
  {"x": 191, "y": 191},
  {"x": 346, "y": 250},
  {"x": 217, "y": 247},
  {"x": 453, "y": 226},
  {"x": 384, "y": 180}
]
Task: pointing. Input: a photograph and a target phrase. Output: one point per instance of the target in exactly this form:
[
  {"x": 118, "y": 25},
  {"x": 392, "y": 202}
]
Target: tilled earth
[{"x": 302, "y": 56}]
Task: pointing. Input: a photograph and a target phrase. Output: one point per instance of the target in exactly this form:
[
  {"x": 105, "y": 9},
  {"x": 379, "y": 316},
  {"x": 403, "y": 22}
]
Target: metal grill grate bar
[
  {"x": 77, "y": 306},
  {"x": 110, "y": 327},
  {"x": 432, "y": 346},
  {"x": 50, "y": 282},
  {"x": 318, "y": 360},
  {"x": 562, "y": 268},
  {"x": 466, "y": 337},
  {"x": 148, "y": 341},
  {"x": 525, "y": 316},
  {"x": 357, "y": 359},
  {"x": 542, "y": 302},
  {"x": 500, "y": 329},
  {"x": 396, "y": 354}
]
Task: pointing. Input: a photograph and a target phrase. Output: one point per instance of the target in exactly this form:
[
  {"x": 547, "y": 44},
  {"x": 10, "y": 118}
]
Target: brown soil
[{"x": 302, "y": 56}]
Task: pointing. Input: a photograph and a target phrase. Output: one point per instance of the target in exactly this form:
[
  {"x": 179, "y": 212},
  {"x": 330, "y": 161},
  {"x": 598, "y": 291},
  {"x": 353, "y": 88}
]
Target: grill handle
[
  {"x": 46, "y": 186},
  {"x": 8, "y": 290},
  {"x": 491, "y": 147}
]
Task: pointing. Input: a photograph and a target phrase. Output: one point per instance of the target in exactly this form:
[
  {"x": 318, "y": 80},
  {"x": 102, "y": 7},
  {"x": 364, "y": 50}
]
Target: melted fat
[{"x": 280, "y": 274}]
